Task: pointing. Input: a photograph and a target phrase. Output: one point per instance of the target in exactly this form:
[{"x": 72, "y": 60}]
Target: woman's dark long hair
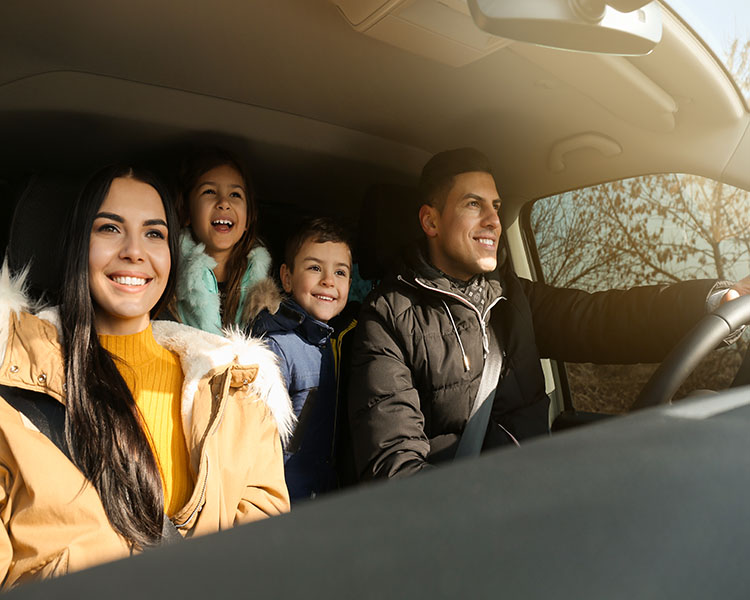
[
  {"x": 193, "y": 168},
  {"x": 103, "y": 429}
]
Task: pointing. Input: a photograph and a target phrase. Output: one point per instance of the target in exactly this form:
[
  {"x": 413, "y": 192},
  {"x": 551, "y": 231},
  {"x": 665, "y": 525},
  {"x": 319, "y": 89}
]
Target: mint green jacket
[{"x": 198, "y": 303}]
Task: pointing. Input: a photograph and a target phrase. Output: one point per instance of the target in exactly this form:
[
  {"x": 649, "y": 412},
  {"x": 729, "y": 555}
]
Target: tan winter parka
[{"x": 234, "y": 405}]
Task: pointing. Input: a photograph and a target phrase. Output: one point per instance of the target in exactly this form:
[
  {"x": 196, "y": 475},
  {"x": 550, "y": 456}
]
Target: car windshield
[{"x": 724, "y": 26}]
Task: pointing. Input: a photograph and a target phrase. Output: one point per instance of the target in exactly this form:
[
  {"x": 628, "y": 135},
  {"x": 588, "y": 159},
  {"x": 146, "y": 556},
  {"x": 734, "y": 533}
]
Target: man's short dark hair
[
  {"x": 318, "y": 230},
  {"x": 437, "y": 175}
]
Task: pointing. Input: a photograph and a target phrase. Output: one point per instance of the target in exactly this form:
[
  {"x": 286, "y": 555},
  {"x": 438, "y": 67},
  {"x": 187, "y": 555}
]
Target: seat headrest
[
  {"x": 388, "y": 222},
  {"x": 37, "y": 228}
]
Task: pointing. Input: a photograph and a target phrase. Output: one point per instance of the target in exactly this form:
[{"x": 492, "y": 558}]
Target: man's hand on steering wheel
[{"x": 741, "y": 288}]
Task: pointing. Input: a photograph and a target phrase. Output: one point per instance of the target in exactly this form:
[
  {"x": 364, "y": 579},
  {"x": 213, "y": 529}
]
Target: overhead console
[{"x": 442, "y": 30}]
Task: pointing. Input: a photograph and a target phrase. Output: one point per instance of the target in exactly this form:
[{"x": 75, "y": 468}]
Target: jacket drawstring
[{"x": 458, "y": 337}]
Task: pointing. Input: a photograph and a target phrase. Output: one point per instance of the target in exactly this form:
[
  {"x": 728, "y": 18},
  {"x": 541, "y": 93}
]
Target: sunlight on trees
[
  {"x": 644, "y": 230},
  {"x": 737, "y": 60},
  {"x": 652, "y": 229}
]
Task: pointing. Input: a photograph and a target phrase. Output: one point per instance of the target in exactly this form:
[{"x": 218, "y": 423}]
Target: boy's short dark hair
[
  {"x": 437, "y": 175},
  {"x": 319, "y": 230}
]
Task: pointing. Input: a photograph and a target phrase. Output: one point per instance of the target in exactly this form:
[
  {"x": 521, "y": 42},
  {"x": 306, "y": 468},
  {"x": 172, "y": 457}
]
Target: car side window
[{"x": 644, "y": 230}]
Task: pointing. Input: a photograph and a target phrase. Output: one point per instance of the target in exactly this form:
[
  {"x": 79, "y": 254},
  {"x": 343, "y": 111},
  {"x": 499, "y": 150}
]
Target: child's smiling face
[
  {"x": 218, "y": 210},
  {"x": 320, "y": 279}
]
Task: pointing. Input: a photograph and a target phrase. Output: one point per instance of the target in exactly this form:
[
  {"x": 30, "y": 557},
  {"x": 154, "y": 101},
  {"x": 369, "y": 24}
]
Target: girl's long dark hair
[
  {"x": 103, "y": 429},
  {"x": 193, "y": 168}
]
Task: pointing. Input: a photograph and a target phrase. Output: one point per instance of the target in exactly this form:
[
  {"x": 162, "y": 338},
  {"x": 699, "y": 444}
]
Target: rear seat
[{"x": 388, "y": 223}]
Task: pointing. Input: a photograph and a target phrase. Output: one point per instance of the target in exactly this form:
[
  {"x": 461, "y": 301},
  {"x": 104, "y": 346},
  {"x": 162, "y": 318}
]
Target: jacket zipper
[
  {"x": 336, "y": 350},
  {"x": 485, "y": 340},
  {"x": 202, "y": 500},
  {"x": 212, "y": 427},
  {"x": 467, "y": 366}
]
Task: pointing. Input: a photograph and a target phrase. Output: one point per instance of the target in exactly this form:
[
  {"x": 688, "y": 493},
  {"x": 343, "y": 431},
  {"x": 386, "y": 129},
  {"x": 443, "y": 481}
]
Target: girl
[
  {"x": 223, "y": 277},
  {"x": 116, "y": 432}
]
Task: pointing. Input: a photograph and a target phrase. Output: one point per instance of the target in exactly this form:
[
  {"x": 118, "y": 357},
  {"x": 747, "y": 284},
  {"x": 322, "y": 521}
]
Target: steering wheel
[{"x": 685, "y": 356}]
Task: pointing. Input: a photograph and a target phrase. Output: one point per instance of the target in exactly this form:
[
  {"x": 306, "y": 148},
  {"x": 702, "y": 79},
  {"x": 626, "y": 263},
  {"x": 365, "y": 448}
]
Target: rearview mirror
[{"x": 625, "y": 27}]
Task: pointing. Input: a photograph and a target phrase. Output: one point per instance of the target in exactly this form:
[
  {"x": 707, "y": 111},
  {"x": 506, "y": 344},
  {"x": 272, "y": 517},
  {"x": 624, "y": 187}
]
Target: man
[{"x": 420, "y": 345}]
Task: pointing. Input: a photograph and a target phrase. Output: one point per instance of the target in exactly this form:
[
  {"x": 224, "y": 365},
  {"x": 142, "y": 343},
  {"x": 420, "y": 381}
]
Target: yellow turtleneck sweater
[{"x": 154, "y": 377}]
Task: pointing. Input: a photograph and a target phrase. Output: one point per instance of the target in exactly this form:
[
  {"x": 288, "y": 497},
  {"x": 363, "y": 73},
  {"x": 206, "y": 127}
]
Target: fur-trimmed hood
[
  {"x": 200, "y": 352},
  {"x": 198, "y": 302}
]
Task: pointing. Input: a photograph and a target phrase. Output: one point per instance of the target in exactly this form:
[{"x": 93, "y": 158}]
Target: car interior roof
[{"x": 322, "y": 110}]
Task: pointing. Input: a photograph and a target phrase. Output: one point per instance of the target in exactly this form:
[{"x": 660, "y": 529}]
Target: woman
[
  {"x": 223, "y": 279},
  {"x": 155, "y": 419}
]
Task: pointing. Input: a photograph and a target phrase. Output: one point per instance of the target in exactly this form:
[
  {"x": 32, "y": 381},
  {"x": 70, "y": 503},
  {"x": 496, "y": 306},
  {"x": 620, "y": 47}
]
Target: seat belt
[
  {"x": 46, "y": 413},
  {"x": 472, "y": 438},
  {"x": 48, "y": 416}
]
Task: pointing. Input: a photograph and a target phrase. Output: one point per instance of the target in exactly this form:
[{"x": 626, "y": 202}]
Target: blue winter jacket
[{"x": 303, "y": 345}]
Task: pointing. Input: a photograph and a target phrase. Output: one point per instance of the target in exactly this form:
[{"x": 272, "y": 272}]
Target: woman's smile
[{"x": 129, "y": 257}]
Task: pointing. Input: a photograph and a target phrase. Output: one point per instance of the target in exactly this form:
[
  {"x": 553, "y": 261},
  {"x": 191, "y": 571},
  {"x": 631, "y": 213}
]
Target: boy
[{"x": 316, "y": 276}]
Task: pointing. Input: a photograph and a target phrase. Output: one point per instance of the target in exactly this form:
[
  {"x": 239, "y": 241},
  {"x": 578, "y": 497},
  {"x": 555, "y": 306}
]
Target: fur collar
[
  {"x": 199, "y": 352},
  {"x": 198, "y": 303},
  {"x": 259, "y": 261},
  {"x": 13, "y": 299},
  {"x": 265, "y": 296}
]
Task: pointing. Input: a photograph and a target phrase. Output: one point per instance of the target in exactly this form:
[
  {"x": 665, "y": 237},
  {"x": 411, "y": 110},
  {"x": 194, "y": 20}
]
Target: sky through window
[{"x": 724, "y": 25}]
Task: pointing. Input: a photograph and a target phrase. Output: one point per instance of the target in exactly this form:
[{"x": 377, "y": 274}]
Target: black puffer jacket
[{"x": 411, "y": 392}]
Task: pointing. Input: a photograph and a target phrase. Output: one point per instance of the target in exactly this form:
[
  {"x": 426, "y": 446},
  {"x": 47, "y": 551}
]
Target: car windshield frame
[{"x": 724, "y": 27}]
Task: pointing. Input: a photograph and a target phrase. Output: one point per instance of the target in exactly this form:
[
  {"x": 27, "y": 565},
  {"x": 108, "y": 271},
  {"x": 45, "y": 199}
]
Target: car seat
[
  {"x": 36, "y": 231},
  {"x": 388, "y": 223}
]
